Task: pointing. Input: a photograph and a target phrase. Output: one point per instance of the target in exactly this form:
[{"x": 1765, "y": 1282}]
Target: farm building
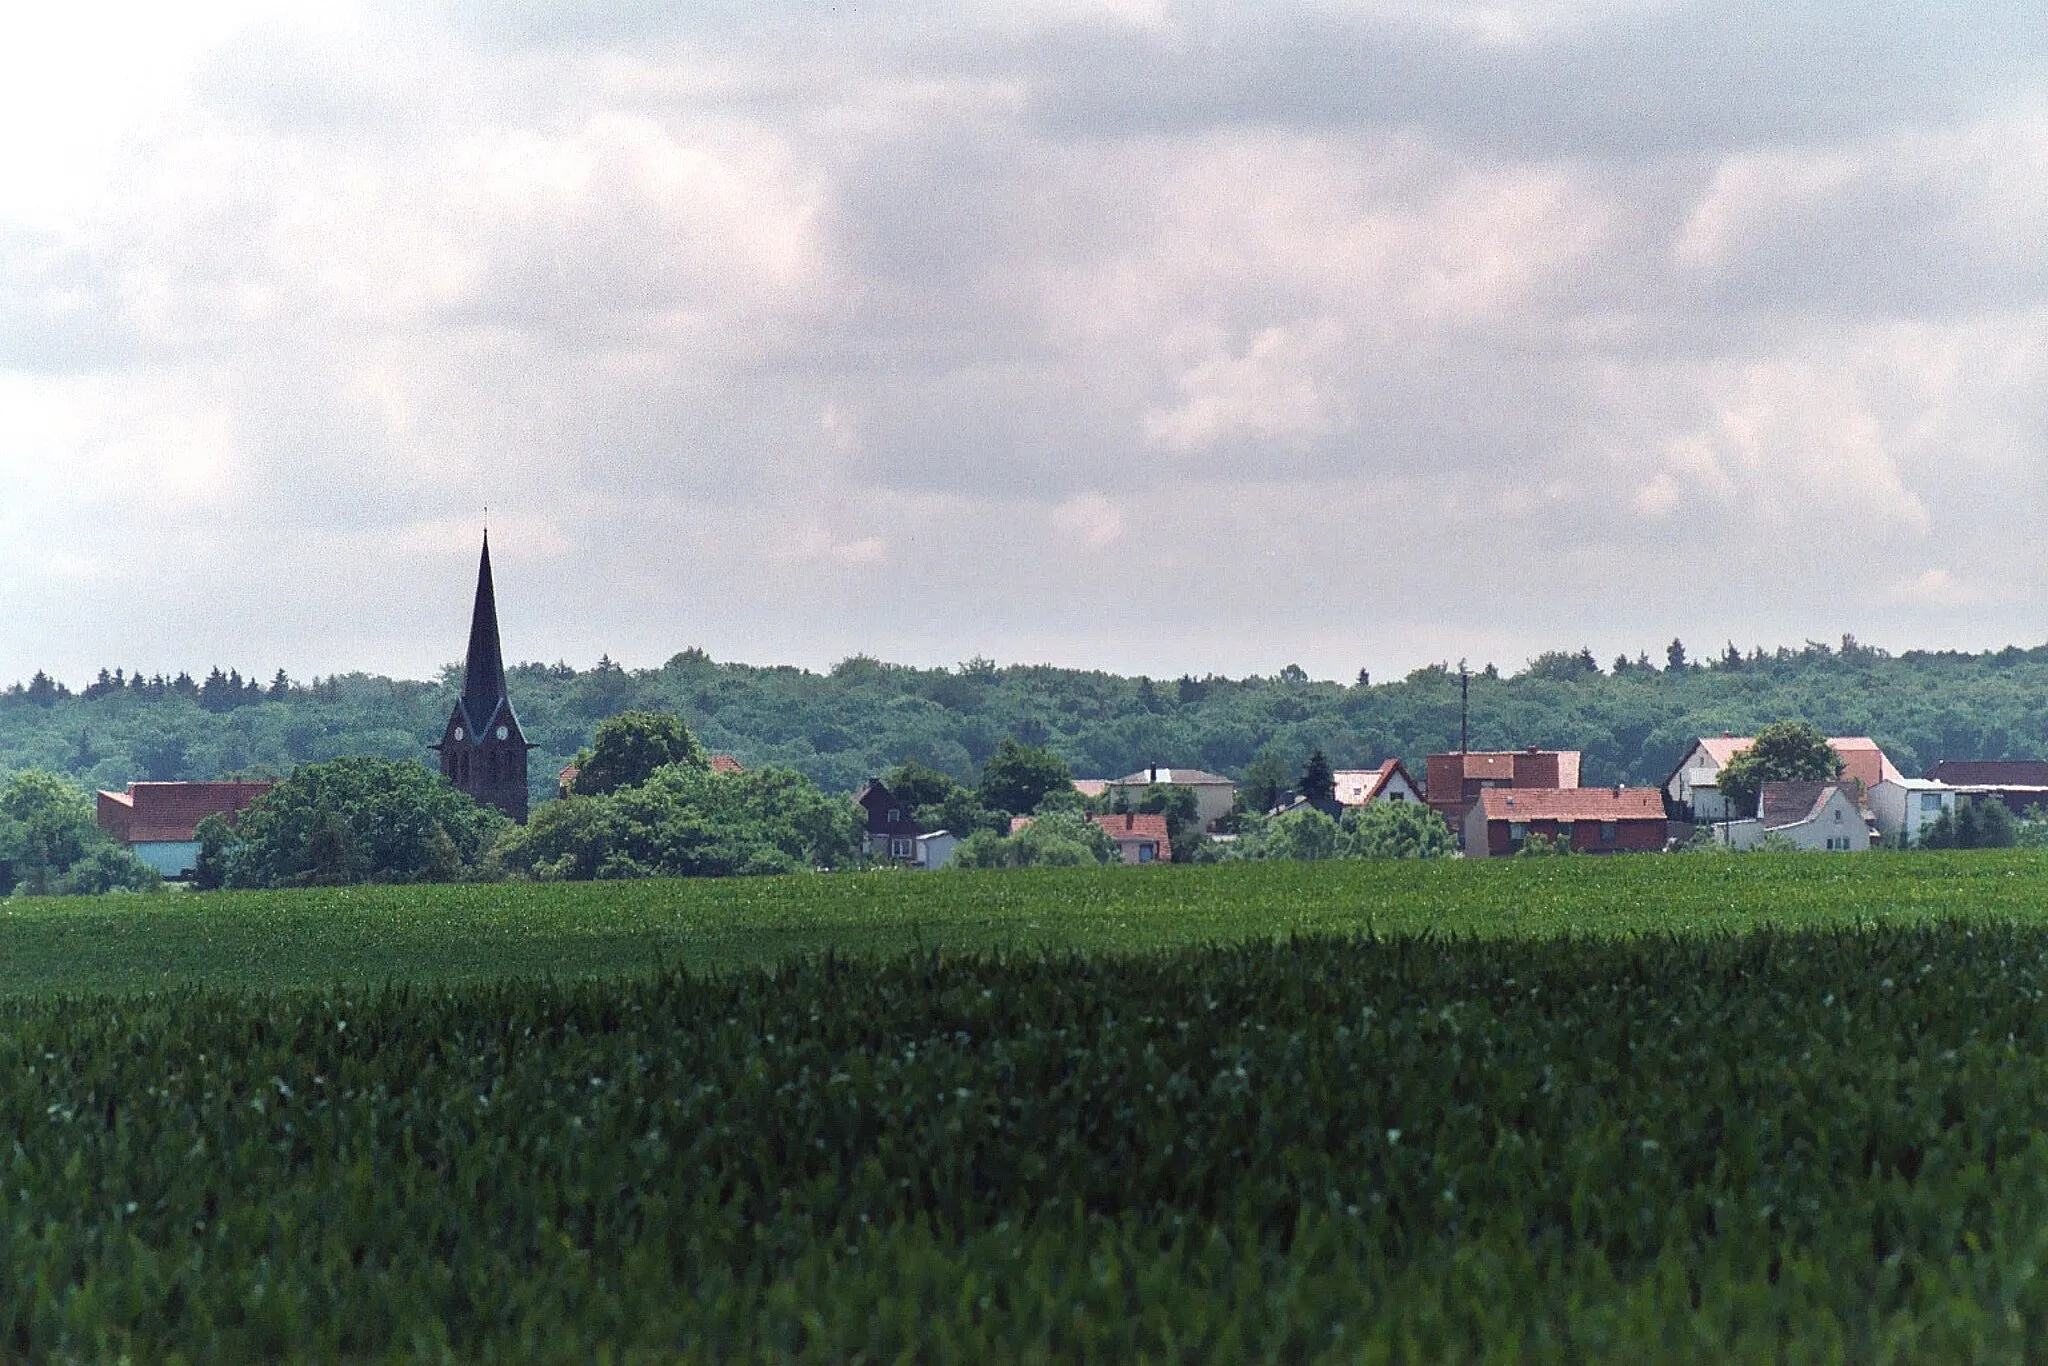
[
  {"x": 159, "y": 822},
  {"x": 1587, "y": 820}
]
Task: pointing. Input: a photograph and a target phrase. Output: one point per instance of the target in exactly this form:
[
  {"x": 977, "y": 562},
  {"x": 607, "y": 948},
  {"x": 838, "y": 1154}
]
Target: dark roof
[
  {"x": 483, "y": 672},
  {"x": 1782, "y": 804},
  {"x": 1990, "y": 772}
]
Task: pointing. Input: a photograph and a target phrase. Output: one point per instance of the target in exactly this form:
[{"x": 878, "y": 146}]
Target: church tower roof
[{"x": 483, "y": 673}]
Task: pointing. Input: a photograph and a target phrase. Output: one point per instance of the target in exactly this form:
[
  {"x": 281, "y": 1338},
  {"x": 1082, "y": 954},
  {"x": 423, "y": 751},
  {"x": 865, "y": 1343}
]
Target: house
[
  {"x": 1456, "y": 780},
  {"x": 1589, "y": 820},
  {"x": 1810, "y": 815},
  {"x": 159, "y": 822},
  {"x": 1214, "y": 794},
  {"x": 1389, "y": 782},
  {"x": 1904, "y": 807},
  {"x": 1694, "y": 792},
  {"x": 1140, "y": 838},
  {"x": 1091, "y": 788},
  {"x": 891, "y": 829},
  {"x": 2019, "y": 783}
]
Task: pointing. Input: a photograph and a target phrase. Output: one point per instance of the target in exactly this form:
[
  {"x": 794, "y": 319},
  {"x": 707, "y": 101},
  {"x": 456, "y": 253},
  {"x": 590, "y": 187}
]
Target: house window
[
  {"x": 1838, "y": 815},
  {"x": 895, "y": 815},
  {"x": 1564, "y": 832},
  {"x": 1930, "y": 801},
  {"x": 1518, "y": 830},
  {"x": 1397, "y": 796},
  {"x": 1147, "y": 852},
  {"x": 899, "y": 848},
  {"x": 1609, "y": 830}
]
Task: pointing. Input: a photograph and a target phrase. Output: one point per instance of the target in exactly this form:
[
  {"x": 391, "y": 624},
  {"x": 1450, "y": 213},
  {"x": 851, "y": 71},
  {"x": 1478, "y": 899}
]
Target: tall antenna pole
[{"x": 1464, "y": 709}]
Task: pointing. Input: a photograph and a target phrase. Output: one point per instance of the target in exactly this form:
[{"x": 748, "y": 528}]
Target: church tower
[{"x": 483, "y": 751}]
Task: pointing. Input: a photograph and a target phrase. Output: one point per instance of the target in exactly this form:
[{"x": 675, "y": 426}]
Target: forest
[{"x": 1632, "y": 719}]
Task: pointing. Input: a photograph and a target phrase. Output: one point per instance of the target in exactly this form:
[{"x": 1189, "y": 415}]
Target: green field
[
  {"x": 475, "y": 933},
  {"x": 1715, "y": 1109}
]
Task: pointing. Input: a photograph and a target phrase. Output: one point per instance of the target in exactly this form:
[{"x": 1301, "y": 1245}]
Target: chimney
[
  {"x": 1129, "y": 820},
  {"x": 1152, "y": 774}
]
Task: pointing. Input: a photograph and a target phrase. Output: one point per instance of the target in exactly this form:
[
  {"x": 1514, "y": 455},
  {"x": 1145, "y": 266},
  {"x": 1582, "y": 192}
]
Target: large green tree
[
  {"x": 50, "y": 844},
  {"x": 686, "y": 821},
  {"x": 1394, "y": 830},
  {"x": 1058, "y": 839},
  {"x": 355, "y": 820},
  {"x": 1017, "y": 776},
  {"x": 1784, "y": 752},
  {"x": 629, "y": 747}
]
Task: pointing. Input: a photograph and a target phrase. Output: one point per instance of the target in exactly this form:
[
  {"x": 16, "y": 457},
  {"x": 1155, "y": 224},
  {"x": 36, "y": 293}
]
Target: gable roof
[
  {"x": 1572, "y": 803},
  {"x": 1131, "y": 827},
  {"x": 1358, "y": 786},
  {"x": 1862, "y": 758},
  {"x": 1782, "y": 804},
  {"x": 1990, "y": 772},
  {"x": 151, "y": 813},
  {"x": 725, "y": 763}
]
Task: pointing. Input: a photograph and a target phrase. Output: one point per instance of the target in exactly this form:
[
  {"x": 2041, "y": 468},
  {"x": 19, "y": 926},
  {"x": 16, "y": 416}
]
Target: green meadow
[
  {"x": 469, "y": 933},
  {"x": 1678, "y": 1109}
]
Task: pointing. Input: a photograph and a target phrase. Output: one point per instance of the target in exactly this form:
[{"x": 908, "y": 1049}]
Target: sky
[{"x": 1125, "y": 334}]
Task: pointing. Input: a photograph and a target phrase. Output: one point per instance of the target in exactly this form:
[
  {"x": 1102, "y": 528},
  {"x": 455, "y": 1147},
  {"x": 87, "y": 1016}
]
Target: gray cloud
[{"x": 1353, "y": 337}]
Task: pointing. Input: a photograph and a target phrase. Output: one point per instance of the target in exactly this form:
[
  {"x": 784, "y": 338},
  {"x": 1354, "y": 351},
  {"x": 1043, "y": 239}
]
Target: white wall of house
[
  {"x": 1910, "y": 805},
  {"x": 936, "y": 849},
  {"x": 1837, "y": 827},
  {"x": 1212, "y": 800},
  {"x": 1696, "y": 785}
]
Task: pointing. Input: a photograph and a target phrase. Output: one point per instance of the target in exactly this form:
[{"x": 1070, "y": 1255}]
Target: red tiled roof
[
  {"x": 149, "y": 813},
  {"x": 1499, "y": 765},
  {"x": 1861, "y": 757},
  {"x": 1572, "y": 803},
  {"x": 725, "y": 763},
  {"x": 1131, "y": 827}
]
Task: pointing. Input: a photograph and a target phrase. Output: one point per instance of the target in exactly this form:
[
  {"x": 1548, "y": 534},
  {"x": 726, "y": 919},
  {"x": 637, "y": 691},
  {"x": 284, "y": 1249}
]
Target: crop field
[
  {"x": 443, "y": 935},
  {"x": 1796, "y": 1146},
  {"x": 1679, "y": 1109}
]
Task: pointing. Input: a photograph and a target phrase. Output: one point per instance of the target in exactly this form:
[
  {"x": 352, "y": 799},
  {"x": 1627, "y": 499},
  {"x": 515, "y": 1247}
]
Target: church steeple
[
  {"x": 483, "y": 673},
  {"x": 483, "y": 751}
]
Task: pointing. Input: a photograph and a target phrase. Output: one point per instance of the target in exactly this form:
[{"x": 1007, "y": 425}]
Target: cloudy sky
[{"x": 1123, "y": 333}]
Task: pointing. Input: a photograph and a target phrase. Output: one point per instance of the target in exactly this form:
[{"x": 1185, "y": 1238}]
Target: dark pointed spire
[{"x": 483, "y": 673}]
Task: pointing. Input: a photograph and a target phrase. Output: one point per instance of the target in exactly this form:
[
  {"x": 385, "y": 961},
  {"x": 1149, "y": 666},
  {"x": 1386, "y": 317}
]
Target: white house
[
  {"x": 1389, "y": 782},
  {"x": 1909, "y": 805},
  {"x": 1818, "y": 816},
  {"x": 1214, "y": 793},
  {"x": 1695, "y": 785}
]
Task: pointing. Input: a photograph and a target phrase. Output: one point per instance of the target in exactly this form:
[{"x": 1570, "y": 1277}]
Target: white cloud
[{"x": 1467, "y": 295}]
